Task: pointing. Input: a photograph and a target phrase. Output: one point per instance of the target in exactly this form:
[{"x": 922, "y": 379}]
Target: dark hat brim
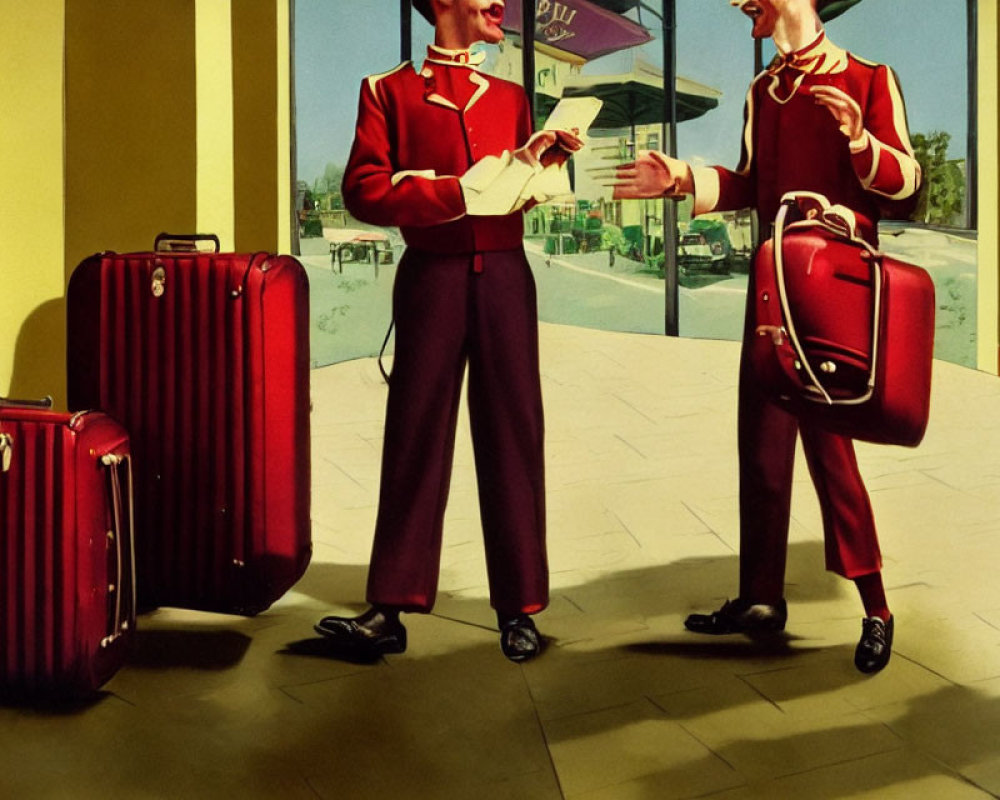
[
  {"x": 829, "y": 9},
  {"x": 424, "y": 7}
]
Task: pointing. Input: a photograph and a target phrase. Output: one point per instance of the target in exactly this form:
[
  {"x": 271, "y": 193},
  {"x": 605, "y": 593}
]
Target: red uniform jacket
[
  {"x": 791, "y": 143},
  {"x": 416, "y": 134}
]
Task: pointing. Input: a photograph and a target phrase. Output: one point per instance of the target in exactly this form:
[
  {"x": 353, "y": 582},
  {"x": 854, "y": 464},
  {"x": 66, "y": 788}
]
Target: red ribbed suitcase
[
  {"x": 66, "y": 552},
  {"x": 204, "y": 357}
]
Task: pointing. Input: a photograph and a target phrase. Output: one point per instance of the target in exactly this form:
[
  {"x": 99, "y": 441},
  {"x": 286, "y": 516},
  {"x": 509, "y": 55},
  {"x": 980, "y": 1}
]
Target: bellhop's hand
[
  {"x": 844, "y": 109},
  {"x": 549, "y": 147},
  {"x": 652, "y": 174}
]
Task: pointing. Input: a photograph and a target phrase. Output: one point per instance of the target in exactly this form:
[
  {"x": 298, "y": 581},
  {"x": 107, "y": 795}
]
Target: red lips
[{"x": 494, "y": 14}]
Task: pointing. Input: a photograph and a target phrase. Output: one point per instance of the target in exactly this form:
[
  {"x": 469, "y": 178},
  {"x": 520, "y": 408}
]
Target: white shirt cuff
[{"x": 706, "y": 190}]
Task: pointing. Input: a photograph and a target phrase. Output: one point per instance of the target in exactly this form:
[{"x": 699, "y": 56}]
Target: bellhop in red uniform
[
  {"x": 447, "y": 154},
  {"x": 818, "y": 119}
]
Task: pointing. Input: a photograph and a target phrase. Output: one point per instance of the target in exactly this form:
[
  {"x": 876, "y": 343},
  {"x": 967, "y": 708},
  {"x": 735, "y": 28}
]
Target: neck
[
  {"x": 450, "y": 36},
  {"x": 796, "y": 27}
]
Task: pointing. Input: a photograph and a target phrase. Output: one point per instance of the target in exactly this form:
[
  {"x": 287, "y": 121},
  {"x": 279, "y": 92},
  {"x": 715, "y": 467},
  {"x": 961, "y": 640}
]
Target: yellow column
[
  {"x": 214, "y": 85},
  {"x": 286, "y": 196},
  {"x": 988, "y": 282},
  {"x": 32, "y": 225}
]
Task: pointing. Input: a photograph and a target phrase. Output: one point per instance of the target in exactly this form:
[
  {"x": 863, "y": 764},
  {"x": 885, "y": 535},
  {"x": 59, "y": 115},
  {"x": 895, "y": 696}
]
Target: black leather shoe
[
  {"x": 519, "y": 638},
  {"x": 740, "y": 616},
  {"x": 373, "y": 633},
  {"x": 875, "y": 647}
]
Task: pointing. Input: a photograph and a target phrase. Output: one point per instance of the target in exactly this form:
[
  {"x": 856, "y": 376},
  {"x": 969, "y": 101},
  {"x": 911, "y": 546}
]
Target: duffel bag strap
[{"x": 840, "y": 221}]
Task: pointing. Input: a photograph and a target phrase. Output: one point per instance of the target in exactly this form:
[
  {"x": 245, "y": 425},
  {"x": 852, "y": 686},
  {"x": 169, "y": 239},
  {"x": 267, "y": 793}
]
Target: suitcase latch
[
  {"x": 6, "y": 451},
  {"x": 158, "y": 282}
]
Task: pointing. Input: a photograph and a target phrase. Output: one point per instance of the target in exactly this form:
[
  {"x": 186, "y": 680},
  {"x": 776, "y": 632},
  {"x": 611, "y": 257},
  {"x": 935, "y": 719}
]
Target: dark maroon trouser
[
  {"x": 767, "y": 435},
  {"x": 447, "y": 314}
]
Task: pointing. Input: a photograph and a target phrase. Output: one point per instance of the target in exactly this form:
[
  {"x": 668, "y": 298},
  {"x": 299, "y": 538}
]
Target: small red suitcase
[
  {"x": 852, "y": 329},
  {"x": 204, "y": 357},
  {"x": 66, "y": 551}
]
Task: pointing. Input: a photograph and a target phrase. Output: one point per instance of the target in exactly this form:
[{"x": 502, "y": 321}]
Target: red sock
[{"x": 873, "y": 595}]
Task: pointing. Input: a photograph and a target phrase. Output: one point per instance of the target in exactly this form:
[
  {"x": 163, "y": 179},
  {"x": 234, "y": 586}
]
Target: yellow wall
[
  {"x": 122, "y": 119},
  {"x": 131, "y": 156},
  {"x": 31, "y": 204}
]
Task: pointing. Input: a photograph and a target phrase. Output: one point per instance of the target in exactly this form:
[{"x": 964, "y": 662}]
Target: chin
[{"x": 492, "y": 20}]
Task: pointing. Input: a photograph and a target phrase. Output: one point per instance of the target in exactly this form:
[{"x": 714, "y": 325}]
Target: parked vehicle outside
[{"x": 704, "y": 247}]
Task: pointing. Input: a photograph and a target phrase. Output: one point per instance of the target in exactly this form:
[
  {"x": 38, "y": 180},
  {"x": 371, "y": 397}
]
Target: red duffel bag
[{"x": 845, "y": 333}]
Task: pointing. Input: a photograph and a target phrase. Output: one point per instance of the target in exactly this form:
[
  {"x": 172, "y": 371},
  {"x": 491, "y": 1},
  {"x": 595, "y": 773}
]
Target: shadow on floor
[
  {"x": 170, "y": 648},
  {"x": 902, "y": 746}
]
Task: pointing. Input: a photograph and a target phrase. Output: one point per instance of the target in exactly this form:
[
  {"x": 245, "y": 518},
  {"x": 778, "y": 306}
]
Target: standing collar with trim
[
  {"x": 819, "y": 57},
  {"x": 455, "y": 58}
]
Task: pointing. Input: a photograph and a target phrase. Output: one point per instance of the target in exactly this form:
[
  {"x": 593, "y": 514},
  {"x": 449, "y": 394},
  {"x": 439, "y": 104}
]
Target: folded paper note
[{"x": 573, "y": 113}]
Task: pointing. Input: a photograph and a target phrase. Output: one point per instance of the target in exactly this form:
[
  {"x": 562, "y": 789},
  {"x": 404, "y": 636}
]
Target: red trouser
[
  {"x": 447, "y": 315},
  {"x": 767, "y": 435}
]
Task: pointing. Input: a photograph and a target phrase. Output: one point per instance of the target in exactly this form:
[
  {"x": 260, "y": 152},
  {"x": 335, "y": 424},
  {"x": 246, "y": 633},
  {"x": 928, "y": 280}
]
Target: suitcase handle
[
  {"x": 844, "y": 227},
  {"x": 6, "y": 451},
  {"x": 124, "y": 543},
  {"x": 10, "y": 402},
  {"x": 184, "y": 242}
]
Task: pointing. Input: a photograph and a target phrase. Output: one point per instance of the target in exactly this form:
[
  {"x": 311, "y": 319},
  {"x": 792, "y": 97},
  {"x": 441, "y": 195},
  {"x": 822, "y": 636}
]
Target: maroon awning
[{"x": 580, "y": 28}]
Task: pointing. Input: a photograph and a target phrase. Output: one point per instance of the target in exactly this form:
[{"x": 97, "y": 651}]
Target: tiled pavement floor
[{"x": 642, "y": 514}]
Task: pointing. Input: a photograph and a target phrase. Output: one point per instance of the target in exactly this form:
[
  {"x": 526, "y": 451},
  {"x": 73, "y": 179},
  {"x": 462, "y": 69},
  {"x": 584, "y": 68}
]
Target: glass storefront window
[
  {"x": 929, "y": 50},
  {"x": 350, "y": 264},
  {"x": 599, "y": 262}
]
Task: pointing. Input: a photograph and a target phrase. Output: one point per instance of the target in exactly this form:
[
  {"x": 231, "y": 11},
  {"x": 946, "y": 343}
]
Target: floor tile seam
[
  {"x": 923, "y": 666},
  {"x": 947, "y": 768},
  {"x": 630, "y": 446},
  {"x": 911, "y": 585},
  {"x": 704, "y": 744},
  {"x": 763, "y": 696},
  {"x": 985, "y": 621},
  {"x": 981, "y": 681},
  {"x": 624, "y": 527},
  {"x": 687, "y": 730},
  {"x": 316, "y": 792},
  {"x": 590, "y": 712},
  {"x": 902, "y": 747},
  {"x": 465, "y": 622},
  {"x": 344, "y": 472},
  {"x": 709, "y": 530},
  {"x": 543, "y": 733},
  {"x": 284, "y": 688},
  {"x": 635, "y": 408},
  {"x": 927, "y": 472}
]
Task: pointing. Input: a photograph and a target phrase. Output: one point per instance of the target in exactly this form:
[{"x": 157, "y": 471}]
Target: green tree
[
  {"x": 942, "y": 196},
  {"x": 333, "y": 175},
  {"x": 328, "y": 186}
]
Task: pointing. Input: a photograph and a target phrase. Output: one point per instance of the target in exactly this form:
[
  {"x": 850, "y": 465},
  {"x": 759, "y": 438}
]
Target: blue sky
[{"x": 338, "y": 42}]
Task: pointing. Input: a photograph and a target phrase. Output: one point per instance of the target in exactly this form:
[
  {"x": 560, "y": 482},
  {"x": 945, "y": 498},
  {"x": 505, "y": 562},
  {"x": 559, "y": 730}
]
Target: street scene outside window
[{"x": 602, "y": 262}]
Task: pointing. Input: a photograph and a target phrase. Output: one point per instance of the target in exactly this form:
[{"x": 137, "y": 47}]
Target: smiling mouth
[
  {"x": 494, "y": 14},
  {"x": 750, "y": 8}
]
